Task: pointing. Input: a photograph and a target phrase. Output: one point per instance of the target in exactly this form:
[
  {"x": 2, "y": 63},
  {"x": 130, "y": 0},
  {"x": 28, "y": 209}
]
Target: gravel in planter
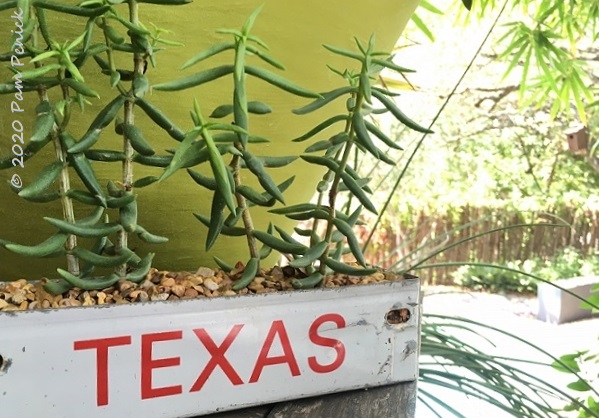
[{"x": 162, "y": 285}]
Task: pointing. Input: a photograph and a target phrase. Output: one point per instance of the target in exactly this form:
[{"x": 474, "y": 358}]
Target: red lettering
[
  {"x": 277, "y": 328},
  {"x": 148, "y": 364},
  {"x": 327, "y": 342},
  {"x": 217, "y": 358},
  {"x": 101, "y": 346}
]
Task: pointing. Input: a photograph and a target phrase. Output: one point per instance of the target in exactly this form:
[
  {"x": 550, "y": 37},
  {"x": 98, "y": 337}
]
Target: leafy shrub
[
  {"x": 568, "y": 263},
  {"x": 495, "y": 280}
]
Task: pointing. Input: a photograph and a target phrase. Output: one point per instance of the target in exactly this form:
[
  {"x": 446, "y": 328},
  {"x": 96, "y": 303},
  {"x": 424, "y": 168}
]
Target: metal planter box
[{"x": 193, "y": 357}]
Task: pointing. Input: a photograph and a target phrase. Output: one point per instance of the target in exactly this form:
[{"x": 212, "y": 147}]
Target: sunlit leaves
[{"x": 544, "y": 46}]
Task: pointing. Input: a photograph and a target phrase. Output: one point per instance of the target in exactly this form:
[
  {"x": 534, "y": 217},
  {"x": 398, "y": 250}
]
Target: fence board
[{"x": 391, "y": 245}]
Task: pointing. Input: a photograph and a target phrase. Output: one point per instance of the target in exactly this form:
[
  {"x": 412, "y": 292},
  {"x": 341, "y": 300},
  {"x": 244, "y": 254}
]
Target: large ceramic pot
[{"x": 295, "y": 32}]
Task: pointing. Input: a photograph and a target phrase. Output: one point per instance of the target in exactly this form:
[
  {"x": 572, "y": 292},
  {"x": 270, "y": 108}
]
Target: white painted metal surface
[{"x": 186, "y": 358}]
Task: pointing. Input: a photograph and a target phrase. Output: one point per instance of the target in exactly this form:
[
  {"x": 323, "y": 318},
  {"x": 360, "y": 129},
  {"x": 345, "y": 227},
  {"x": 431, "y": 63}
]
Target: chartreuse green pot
[{"x": 294, "y": 31}]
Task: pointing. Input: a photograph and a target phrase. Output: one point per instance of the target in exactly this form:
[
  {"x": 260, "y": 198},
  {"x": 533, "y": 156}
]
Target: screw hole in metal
[
  {"x": 398, "y": 316},
  {"x": 2, "y": 365}
]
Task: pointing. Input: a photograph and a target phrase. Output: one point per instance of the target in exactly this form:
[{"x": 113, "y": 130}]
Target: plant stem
[
  {"x": 65, "y": 185},
  {"x": 110, "y": 56},
  {"x": 138, "y": 65},
  {"x": 321, "y": 194},
  {"x": 241, "y": 120},
  {"x": 245, "y": 212},
  {"x": 334, "y": 190},
  {"x": 64, "y": 181},
  {"x": 66, "y": 203}
]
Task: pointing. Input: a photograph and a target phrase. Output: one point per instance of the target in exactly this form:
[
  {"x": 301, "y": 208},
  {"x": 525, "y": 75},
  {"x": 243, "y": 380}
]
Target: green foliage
[
  {"x": 227, "y": 186},
  {"x": 503, "y": 158},
  {"x": 455, "y": 355},
  {"x": 566, "y": 264},
  {"x": 57, "y": 66},
  {"x": 324, "y": 251},
  {"x": 55, "y": 70},
  {"x": 544, "y": 44},
  {"x": 342, "y": 149},
  {"x": 490, "y": 279},
  {"x": 586, "y": 365}
]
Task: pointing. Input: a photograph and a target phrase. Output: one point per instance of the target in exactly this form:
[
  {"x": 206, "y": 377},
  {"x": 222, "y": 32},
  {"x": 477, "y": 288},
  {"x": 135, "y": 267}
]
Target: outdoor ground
[{"x": 516, "y": 314}]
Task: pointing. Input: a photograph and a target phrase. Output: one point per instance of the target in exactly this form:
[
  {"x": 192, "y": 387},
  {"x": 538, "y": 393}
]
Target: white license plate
[{"x": 192, "y": 357}]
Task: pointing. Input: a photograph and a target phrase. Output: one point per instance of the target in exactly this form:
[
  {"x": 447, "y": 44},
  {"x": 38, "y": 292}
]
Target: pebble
[
  {"x": 191, "y": 293},
  {"x": 160, "y": 296},
  {"x": 160, "y": 285},
  {"x": 178, "y": 290},
  {"x": 205, "y": 272},
  {"x": 167, "y": 282},
  {"x": 210, "y": 284}
]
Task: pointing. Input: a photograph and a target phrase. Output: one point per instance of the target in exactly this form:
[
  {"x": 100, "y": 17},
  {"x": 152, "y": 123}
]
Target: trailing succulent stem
[
  {"x": 237, "y": 145},
  {"x": 326, "y": 250}
]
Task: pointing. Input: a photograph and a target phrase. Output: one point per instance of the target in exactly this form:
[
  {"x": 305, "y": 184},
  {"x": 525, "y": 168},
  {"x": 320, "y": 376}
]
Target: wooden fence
[{"x": 404, "y": 244}]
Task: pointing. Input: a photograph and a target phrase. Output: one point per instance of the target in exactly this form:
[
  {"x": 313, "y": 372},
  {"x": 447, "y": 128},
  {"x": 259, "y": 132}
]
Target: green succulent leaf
[
  {"x": 399, "y": 115},
  {"x": 9, "y": 4},
  {"x": 342, "y": 268},
  {"x": 344, "y": 52},
  {"x": 72, "y": 10},
  {"x": 202, "y": 180},
  {"x": 266, "y": 199},
  {"x": 352, "y": 241},
  {"x": 280, "y": 82},
  {"x": 273, "y": 162},
  {"x": 89, "y": 284},
  {"x": 217, "y": 219},
  {"x": 357, "y": 191},
  {"x": 257, "y": 168},
  {"x": 128, "y": 215},
  {"x": 104, "y": 155},
  {"x": 321, "y": 126},
  {"x": 196, "y": 79},
  {"x": 102, "y": 260},
  {"x": 223, "y": 265},
  {"x": 160, "y": 119},
  {"x": 102, "y": 120},
  {"x": 44, "y": 122},
  {"x": 166, "y": 2},
  {"x": 93, "y": 218},
  {"x": 229, "y": 231},
  {"x": 86, "y": 231},
  {"x": 222, "y": 111},
  {"x": 145, "y": 181},
  {"x": 311, "y": 255},
  {"x": 326, "y": 99},
  {"x": 38, "y": 72},
  {"x": 279, "y": 244},
  {"x": 142, "y": 269},
  {"x": 137, "y": 140},
  {"x": 264, "y": 56},
  {"x": 53, "y": 245},
  {"x": 43, "y": 181},
  {"x": 258, "y": 108},
  {"x": 309, "y": 282},
  {"x": 146, "y": 236},
  {"x": 372, "y": 128},
  {"x": 249, "y": 273},
  {"x": 207, "y": 53},
  {"x": 323, "y": 161}
]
